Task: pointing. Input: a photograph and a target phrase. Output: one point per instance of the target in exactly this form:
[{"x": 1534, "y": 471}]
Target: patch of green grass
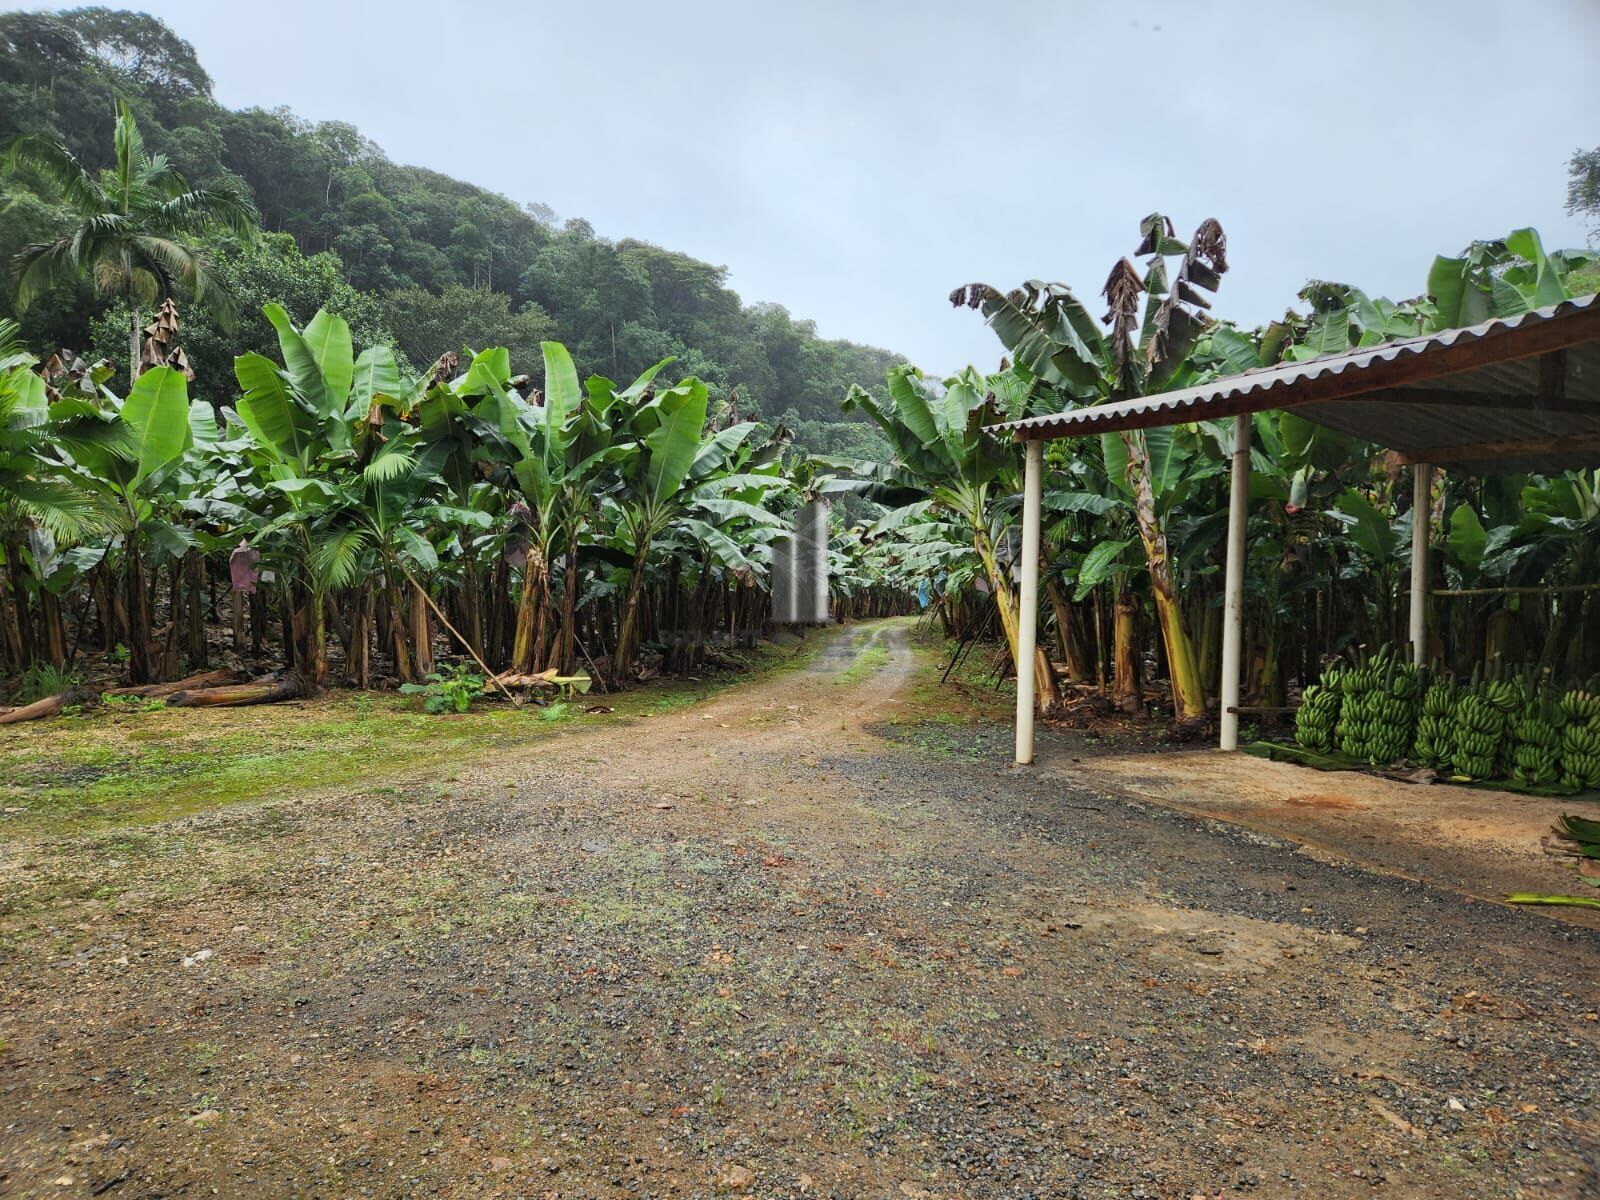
[
  {"x": 676, "y": 702},
  {"x": 137, "y": 763},
  {"x": 148, "y": 766},
  {"x": 868, "y": 663}
]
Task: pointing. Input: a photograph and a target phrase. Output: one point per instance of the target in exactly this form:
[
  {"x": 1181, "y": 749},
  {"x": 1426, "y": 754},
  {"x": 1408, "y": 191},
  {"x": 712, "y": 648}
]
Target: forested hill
[{"x": 432, "y": 260}]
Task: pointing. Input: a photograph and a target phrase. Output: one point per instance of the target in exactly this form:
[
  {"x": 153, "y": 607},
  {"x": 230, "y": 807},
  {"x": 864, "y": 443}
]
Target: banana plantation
[
  {"x": 346, "y": 508},
  {"x": 1135, "y": 521},
  {"x": 488, "y": 709},
  {"x": 349, "y": 518}
]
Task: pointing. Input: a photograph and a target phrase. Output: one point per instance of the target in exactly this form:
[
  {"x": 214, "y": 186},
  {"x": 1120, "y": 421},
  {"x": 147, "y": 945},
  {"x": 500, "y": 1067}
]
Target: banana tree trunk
[
  {"x": 532, "y": 614},
  {"x": 195, "y": 647},
  {"x": 397, "y": 632},
  {"x": 54, "y": 639},
  {"x": 358, "y": 647},
  {"x": 472, "y": 603},
  {"x": 1044, "y": 673},
  {"x": 627, "y": 632},
  {"x": 1068, "y": 636},
  {"x": 139, "y": 668},
  {"x": 1125, "y": 690},
  {"x": 421, "y": 633},
  {"x": 1188, "y": 692},
  {"x": 569, "y": 611}
]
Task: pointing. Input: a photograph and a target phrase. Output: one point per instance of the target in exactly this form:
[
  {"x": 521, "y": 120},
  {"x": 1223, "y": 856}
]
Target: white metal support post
[
  {"x": 1028, "y": 598},
  {"x": 1421, "y": 520},
  {"x": 1233, "y": 588}
]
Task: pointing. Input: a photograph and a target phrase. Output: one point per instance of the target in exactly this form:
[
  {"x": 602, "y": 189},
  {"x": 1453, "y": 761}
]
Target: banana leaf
[{"x": 1540, "y": 898}]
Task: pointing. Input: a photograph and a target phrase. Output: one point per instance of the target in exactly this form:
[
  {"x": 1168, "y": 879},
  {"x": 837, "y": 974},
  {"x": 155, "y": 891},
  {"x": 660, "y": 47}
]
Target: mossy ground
[{"x": 125, "y": 763}]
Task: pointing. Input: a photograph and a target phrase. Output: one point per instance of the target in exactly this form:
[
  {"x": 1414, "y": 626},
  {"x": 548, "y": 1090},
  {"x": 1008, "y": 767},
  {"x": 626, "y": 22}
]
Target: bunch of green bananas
[
  {"x": 1536, "y": 739},
  {"x": 1354, "y": 728},
  {"x": 1318, "y": 714},
  {"x": 1394, "y": 708},
  {"x": 1436, "y": 725},
  {"x": 1378, "y": 715},
  {"x": 1480, "y": 727},
  {"x": 1580, "y": 739}
]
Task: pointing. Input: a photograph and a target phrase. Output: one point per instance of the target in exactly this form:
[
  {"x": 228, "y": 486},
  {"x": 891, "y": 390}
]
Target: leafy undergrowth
[
  {"x": 123, "y": 764},
  {"x": 968, "y": 714}
]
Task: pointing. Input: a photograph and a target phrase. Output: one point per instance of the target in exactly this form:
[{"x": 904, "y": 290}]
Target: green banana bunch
[
  {"x": 1504, "y": 694},
  {"x": 1436, "y": 725},
  {"x": 1318, "y": 714},
  {"x": 1394, "y": 708},
  {"x": 1582, "y": 704},
  {"x": 1580, "y": 739},
  {"x": 1350, "y": 732},
  {"x": 1536, "y": 738},
  {"x": 1479, "y": 727},
  {"x": 1379, "y": 702}
]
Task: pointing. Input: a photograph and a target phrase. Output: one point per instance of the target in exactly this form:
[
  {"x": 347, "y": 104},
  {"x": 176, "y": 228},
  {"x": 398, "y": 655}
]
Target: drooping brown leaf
[
  {"x": 1154, "y": 228},
  {"x": 1211, "y": 244},
  {"x": 1200, "y": 274},
  {"x": 445, "y": 367},
  {"x": 160, "y": 348},
  {"x": 1190, "y": 294},
  {"x": 974, "y": 295},
  {"x": 1122, "y": 291}
]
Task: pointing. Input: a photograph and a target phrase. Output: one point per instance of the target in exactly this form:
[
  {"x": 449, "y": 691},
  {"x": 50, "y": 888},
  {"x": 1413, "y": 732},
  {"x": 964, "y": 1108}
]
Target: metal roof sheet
[{"x": 1493, "y": 394}]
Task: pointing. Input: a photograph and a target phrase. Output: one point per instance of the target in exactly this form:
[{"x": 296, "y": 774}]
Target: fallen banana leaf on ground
[
  {"x": 1582, "y": 833},
  {"x": 1579, "y": 829},
  {"x": 1334, "y": 761},
  {"x": 1540, "y": 898}
]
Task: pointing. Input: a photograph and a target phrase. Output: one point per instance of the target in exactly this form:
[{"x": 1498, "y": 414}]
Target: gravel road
[{"x": 776, "y": 944}]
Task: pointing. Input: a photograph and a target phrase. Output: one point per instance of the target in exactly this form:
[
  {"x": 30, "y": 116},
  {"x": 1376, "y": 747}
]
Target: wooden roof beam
[
  {"x": 1443, "y": 456},
  {"x": 1449, "y": 398}
]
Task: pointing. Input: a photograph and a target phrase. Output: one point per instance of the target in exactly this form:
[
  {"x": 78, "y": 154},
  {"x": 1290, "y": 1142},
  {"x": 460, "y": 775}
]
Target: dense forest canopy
[{"x": 407, "y": 255}]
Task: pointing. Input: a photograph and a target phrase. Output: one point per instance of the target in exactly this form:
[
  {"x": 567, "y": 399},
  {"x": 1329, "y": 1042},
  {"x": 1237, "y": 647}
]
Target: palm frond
[
  {"x": 128, "y": 145},
  {"x": 68, "y": 511},
  {"x": 57, "y": 164},
  {"x": 175, "y": 263},
  {"x": 86, "y": 433},
  {"x": 394, "y": 462},
  {"x": 40, "y": 267},
  {"x": 335, "y": 556},
  {"x": 199, "y": 209}
]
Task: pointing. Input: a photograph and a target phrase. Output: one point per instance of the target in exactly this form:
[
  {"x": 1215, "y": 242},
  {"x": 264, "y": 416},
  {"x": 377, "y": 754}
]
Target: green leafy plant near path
[
  {"x": 43, "y": 679},
  {"x": 447, "y": 691}
]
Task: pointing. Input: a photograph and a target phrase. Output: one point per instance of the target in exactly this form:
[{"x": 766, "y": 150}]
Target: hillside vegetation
[{"x": 406, "y": 255}]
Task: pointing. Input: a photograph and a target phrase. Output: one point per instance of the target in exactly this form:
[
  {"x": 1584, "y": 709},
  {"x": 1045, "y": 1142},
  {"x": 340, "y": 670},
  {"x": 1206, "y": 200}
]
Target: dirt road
[{"x": 775, "y": 944}]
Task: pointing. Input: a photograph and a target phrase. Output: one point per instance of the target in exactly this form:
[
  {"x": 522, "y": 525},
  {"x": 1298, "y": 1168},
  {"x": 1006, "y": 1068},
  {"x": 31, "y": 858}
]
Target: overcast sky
[{"x": 856, "y": 161}]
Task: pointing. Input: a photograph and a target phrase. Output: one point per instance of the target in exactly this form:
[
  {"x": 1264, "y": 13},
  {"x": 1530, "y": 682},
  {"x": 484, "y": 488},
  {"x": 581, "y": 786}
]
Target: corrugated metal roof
[{"x": 1494, "y": 394}]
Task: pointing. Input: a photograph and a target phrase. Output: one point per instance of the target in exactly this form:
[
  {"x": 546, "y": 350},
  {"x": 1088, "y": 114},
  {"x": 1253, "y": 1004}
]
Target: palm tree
[{"x": 134, "y": 228}]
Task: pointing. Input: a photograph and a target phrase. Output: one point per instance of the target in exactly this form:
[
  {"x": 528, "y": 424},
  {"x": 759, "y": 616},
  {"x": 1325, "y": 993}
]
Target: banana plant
[
  {"x": 47, "y": 501},
  {"x": 563, "y": 449},
  {"x": 664, "y": 432},
  {"x": 1050, "y": 332},
  {"x": 136, "y": 468},
  {"x": 346, "y": 472},
  {"x": 946, "y": 463}
]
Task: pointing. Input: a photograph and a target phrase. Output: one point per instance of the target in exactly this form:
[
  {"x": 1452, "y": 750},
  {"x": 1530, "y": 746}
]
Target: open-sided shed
[{"x": 1511, "y": 395}]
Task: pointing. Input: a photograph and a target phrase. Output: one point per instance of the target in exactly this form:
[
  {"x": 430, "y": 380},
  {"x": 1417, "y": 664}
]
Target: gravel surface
[{"x": 752, "y": 947}]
